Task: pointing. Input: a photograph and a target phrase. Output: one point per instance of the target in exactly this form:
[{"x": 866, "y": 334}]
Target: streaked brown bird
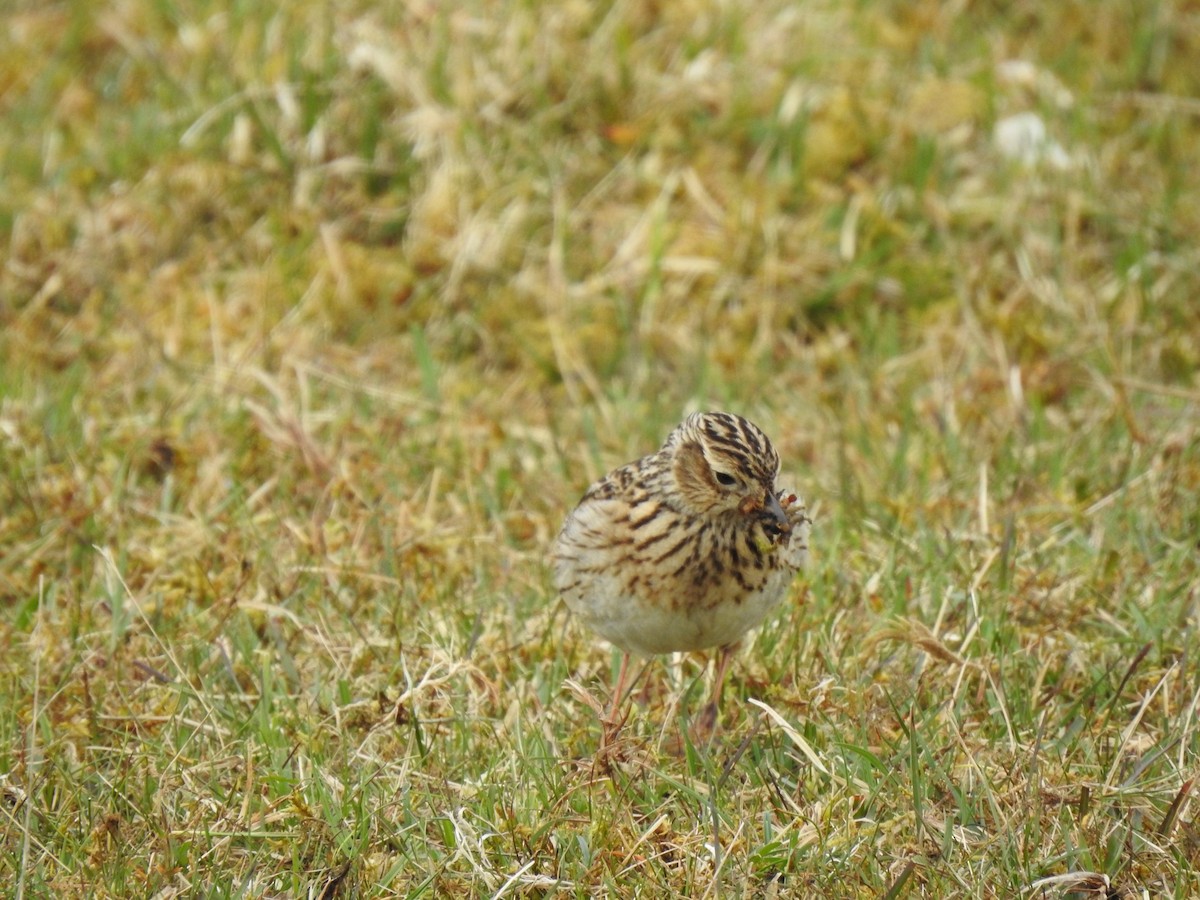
[{"x": 687, "y": 548}]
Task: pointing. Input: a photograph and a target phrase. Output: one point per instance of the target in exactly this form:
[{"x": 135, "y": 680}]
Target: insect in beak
[{"x": 776, "y": 521}]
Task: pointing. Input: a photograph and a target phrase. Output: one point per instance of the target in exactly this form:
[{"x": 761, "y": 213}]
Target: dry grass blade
[{"x": 316, "y": 319}]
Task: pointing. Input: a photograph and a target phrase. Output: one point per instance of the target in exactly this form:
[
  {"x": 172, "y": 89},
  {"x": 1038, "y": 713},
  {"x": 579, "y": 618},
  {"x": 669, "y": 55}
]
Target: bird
[{"x": 684, "y": 549}]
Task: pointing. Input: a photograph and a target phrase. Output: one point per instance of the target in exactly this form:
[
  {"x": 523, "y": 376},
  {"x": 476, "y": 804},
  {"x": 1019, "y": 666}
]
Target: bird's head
[{"x": 724, "y": 465}]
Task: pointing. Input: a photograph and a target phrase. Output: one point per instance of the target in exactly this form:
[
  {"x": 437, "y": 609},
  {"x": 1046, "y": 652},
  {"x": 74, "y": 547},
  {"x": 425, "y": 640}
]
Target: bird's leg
[
  {"x": 614, "y": 720},
  {"x": 724, "y": 656},
  {"x": 706, "y": 725}
]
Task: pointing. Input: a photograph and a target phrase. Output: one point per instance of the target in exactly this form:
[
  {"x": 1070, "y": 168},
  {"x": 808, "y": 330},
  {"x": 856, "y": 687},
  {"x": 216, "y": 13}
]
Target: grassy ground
[{"x": 316, "y": 320}]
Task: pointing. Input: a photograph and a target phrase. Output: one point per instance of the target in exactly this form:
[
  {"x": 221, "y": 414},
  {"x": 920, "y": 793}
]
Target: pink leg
[
  {"x": 614, "y": 720},
  {"x": 706, "y": 725},
  {"x": 724, "y": 657},
  {"x": 618, "y": 690}
]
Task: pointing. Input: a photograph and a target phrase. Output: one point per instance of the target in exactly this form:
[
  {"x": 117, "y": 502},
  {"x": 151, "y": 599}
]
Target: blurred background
[{"x": 317, "y": 318}]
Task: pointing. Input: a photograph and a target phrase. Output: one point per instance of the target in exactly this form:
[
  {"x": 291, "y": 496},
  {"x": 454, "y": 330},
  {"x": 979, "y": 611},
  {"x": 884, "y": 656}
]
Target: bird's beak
[{"x": 778, "y": 519}]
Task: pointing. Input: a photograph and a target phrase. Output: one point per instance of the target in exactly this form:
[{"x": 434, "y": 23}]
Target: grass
[{"x": 316, "y": 320}]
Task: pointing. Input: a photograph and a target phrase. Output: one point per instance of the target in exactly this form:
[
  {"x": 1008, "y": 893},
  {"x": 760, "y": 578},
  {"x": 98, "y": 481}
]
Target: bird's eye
[{"x": 726, "y": 479}]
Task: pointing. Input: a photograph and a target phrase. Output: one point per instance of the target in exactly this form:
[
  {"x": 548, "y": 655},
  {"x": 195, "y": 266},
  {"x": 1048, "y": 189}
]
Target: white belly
[{"x": 648, "y": 628}]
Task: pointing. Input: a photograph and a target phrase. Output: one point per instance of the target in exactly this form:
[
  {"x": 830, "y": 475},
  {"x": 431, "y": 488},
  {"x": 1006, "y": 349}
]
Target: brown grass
[{"x": 316, "y": 320}]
